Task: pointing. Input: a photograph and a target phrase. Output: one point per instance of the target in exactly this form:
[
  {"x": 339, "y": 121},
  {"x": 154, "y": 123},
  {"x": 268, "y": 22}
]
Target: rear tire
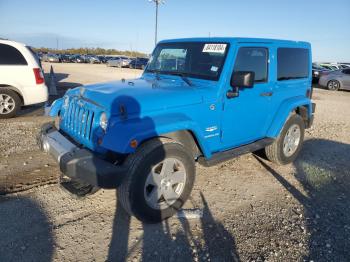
[
  {"x": 333, "y": 85},
  {"x": 157, "y": 170},
  {"x": 288, "y": 144},
  {"x": 10, "y": 103}
]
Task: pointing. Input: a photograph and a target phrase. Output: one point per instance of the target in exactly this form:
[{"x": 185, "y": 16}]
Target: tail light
[{"x": 39, "y": 76}]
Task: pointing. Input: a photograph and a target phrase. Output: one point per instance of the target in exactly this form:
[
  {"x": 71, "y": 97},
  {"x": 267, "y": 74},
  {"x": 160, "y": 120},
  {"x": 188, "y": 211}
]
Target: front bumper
[{"x": 79, "y": 163}]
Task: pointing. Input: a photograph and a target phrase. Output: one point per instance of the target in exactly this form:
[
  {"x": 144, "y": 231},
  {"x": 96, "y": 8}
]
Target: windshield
[{"x": 192, "y": 59}]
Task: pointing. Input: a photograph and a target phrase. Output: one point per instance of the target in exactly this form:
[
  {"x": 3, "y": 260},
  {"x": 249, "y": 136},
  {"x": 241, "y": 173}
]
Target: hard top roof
[{"x": 236, "y": 40}]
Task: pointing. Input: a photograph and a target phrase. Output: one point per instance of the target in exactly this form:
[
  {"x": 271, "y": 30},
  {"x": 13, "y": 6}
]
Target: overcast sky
[{"x": 129, "y": 24}]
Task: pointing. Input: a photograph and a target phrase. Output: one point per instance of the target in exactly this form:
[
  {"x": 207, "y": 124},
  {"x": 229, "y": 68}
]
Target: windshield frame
[{"x": 188, "y": 74}]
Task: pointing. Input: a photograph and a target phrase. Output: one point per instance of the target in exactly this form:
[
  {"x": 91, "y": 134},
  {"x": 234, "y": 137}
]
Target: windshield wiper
[
  {"x": 183, "y": 77},
  {"x": 156, "y": 73}
]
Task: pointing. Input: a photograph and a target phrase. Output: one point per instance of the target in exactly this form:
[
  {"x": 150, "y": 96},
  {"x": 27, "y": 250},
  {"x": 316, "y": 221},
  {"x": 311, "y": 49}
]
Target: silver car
[
  {"x": 51, "y": 58},
  {"x": 121, "y": 61},
  {"x": 336, "y": 80}
]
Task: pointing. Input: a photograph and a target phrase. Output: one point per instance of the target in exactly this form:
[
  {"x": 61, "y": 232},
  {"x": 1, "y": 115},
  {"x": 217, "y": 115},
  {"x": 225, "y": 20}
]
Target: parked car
[
  {"x": 144, "y": 136},
  {"x": 344, "y": 66},
  {"x": 138, "y": 63},
  {"x": 121, "y": 61},
  {"x": 317, "y": 71},
  {"x": 102, "y": 58},
  {"x": 53, "y": 58},
  {"x": 65, "y": 58},
  {"x": 93, "y": 60},
  {"x": 78, "y": 59},
  {"x": 21, "y": 78},
  {"x": 336, "y": 80}
]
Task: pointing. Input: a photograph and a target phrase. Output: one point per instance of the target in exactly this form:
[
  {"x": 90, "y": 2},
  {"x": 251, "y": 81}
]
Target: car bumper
[{"x": 79, "y": 163}]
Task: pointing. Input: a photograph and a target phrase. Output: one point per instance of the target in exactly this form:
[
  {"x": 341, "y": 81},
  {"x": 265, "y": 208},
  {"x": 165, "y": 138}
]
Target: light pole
[{"x": 157, "y": 2}]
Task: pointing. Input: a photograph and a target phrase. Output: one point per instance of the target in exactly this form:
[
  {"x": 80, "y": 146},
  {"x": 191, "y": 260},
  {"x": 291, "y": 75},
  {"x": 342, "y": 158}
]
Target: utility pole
[{"x": 157, "y": 2}]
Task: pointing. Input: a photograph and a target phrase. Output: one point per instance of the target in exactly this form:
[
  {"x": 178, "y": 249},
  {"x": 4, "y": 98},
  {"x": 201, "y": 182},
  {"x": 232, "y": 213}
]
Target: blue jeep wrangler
[{"x": 202, "y": 100}]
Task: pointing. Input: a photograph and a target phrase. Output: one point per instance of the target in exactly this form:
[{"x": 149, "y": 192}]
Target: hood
[{"x": 140, "y": 95}]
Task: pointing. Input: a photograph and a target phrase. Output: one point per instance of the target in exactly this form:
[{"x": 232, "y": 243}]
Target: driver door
[{"x": 246, "y": 117}]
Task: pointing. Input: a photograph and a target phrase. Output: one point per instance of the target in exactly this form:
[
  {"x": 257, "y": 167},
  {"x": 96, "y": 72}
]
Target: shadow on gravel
[
  {"x": 25, "y": 232},
  {"x": 323, "y": 169},
  {"x": 166, "y": 242}
]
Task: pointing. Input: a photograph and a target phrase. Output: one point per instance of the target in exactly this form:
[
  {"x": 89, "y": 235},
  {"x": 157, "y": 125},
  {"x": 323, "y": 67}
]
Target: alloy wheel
[{"x": 165, "y": 183}]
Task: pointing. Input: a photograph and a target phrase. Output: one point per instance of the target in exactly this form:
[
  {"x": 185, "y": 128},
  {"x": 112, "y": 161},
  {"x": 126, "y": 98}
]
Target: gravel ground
[{"x": 252, "y": 210}]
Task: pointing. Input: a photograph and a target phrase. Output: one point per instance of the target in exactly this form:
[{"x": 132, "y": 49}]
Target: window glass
[
  {"x": 253, "y": 59},
  {"x": 292, "y": 63},
  {"x": 191, "y": 59},
  {"x": 11, "y": 56},
  {"x": 346, "y": 71}
]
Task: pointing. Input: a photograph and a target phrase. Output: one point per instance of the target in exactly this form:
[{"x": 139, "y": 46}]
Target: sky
[{"x": 129, "y": 24}]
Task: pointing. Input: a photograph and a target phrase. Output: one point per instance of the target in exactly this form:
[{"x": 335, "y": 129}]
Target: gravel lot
[{"x": 253, "y": 210}]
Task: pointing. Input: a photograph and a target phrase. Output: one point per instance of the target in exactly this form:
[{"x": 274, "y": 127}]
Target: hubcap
[
  {"x": 7, "y": 104},
  {"x": 291, "y": 140},
  {"x": 333, "y": 85},
  {"x": 165, "y": 183}
]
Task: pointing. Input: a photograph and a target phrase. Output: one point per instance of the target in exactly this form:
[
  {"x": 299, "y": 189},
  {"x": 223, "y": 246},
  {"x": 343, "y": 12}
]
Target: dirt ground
[{"x": 252, "y": 210}]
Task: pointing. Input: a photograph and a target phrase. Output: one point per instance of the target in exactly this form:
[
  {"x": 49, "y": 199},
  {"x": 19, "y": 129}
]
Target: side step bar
[{"x": 235, "y": 152}]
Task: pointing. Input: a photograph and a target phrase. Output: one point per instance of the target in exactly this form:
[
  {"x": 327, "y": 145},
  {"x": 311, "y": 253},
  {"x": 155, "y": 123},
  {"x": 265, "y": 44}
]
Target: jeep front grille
[{"x": 78, "y": 120}]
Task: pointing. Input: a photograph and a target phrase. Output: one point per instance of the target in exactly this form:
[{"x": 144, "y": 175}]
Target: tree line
[{"x": 91, "y": 51}]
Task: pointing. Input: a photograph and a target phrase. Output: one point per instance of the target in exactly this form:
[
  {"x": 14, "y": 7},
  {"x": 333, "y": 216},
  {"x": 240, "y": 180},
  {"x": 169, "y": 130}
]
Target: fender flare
[
  {"x": 55, "y": 107},
  {"x": 283, "y": 112},
  {"x": 120, "y": 133}
]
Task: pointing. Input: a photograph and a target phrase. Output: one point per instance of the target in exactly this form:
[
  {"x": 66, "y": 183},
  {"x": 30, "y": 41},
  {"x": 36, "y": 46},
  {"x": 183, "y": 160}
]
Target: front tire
[
  {"x": 288, "y": 144},
  {"x": 10, "y": 103},
  {"x": 159, "y": 180}
]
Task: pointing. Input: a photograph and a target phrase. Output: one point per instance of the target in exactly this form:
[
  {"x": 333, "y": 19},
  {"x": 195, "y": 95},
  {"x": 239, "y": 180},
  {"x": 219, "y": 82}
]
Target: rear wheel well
[
  {"x": 303, "y": 111},
  {"x": 187, "y": 139},
  {"x": 14, "y": 89}
]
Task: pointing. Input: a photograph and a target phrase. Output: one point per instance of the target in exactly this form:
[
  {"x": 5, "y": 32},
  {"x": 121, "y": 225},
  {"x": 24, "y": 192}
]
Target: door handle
[{"x": 266, "y": 94}]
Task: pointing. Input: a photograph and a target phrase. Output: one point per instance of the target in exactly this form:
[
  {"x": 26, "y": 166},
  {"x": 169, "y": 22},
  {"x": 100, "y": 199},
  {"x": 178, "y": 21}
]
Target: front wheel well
[{"x": 187, "y": 139}]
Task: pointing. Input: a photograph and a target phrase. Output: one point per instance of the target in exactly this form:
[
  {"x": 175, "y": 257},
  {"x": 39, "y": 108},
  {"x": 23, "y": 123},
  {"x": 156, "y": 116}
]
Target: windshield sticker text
[{"x": 214, "y": 48}]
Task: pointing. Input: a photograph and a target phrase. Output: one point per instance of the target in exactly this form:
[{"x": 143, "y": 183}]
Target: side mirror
[{"x": 243, "y": 79}]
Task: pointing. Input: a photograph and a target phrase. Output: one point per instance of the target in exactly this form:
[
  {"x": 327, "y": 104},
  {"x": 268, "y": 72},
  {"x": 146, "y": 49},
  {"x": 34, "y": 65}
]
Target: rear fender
[{"x": 283, "y": 112}]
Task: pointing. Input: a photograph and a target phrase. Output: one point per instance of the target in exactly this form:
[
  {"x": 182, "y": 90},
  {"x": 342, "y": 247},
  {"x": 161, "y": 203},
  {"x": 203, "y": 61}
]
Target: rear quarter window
[
  {"x": 292, "y": 63},
  {"x": 9, "y": 55}
]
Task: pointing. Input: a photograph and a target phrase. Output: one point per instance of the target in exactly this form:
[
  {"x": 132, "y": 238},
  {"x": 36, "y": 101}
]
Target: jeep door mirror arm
[
  {"x": 240, "y": 79},
  {"x": 233, "y": 93}
]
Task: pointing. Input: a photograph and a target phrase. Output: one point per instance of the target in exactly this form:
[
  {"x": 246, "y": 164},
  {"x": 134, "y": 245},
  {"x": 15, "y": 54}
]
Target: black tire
[
  {"x": 333, "y": 85},
  {"x": 275, "y": 152},
  {"x": 15, "y": 98},
  {"x": 131, "y": 193}
]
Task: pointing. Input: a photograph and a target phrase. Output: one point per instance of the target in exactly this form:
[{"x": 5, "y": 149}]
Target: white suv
[{"x": 21, "y": 78}]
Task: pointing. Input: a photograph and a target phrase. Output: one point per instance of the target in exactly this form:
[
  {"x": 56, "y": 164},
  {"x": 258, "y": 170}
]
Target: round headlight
[
  {"x": 66, "y": 102},
  {"x": 103, "y": 121}
]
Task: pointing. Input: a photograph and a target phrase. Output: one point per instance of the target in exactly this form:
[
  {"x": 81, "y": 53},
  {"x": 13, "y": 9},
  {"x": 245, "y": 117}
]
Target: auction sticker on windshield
[{"x": 214, "y": 48}]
